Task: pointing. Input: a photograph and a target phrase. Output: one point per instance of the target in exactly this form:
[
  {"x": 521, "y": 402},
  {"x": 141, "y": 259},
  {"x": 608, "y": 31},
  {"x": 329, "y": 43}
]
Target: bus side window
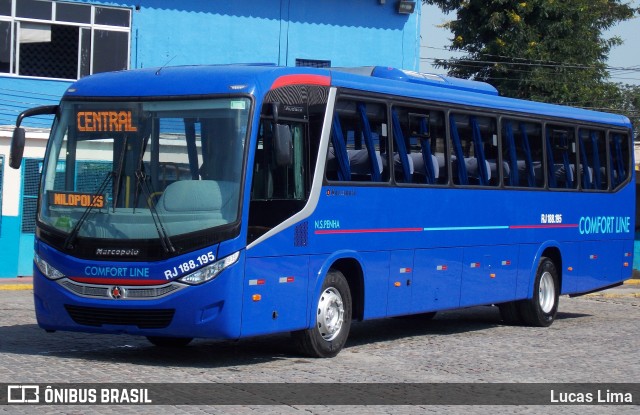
[
  {"x": 274, "y": 181},
  {"x": 619, "y": 167},
  {"x": 359, "y": 140},
  {"x": 423, "y": 133},
  {"x": 262, "y": 187},
  {"x": 522, "y": 152},
  {"x": 561, "y": 157},
  {"x": 475, "y": 158},
  {"x": 593, "y": 160}
]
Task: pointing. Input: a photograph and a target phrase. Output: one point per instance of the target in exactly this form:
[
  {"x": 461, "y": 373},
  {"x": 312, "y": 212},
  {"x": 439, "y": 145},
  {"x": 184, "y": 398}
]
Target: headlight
[
  {"x": 46, "y": 269},
  {"x": 210, "y": 271}
]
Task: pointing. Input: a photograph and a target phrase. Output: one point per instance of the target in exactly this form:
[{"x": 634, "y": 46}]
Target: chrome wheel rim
[
  {"x": 546, "y": 292},
  {"x": 330, "y": 314}
]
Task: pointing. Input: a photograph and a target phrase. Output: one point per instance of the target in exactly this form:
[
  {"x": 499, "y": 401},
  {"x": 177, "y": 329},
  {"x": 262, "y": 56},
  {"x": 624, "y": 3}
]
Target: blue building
[{"x": 45, "y": 45}]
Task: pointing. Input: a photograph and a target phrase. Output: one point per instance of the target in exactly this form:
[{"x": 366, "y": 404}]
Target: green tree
[
  {"x": 543, "y": 50},
  {"x": 628, "y": 104}
]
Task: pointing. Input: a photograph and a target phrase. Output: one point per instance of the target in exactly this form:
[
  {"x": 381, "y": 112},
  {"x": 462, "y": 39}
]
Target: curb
[
  {"x": 16, "y": 284},
  {"x": 16, "y": 287},
  {"x": 612, "y": 295}
]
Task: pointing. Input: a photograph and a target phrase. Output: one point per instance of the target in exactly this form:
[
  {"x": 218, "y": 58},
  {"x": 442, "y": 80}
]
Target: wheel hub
[
  {"x": 546, "y": 292},
  {"x": 330, "y": 314}
]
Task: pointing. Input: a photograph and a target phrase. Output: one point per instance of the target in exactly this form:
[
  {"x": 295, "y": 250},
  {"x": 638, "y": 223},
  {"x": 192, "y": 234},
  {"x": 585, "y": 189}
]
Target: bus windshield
[{"x": 144, "y": 170}]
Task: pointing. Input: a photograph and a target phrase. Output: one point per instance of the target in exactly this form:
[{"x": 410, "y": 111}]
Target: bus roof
[{"x": 203, "y": 80}]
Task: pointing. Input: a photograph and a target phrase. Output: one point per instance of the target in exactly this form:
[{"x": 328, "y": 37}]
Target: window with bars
[
  {"x": 313, "y": 63},
  {"x": 32, "y": 169},
  {"x": 51, "y": 39}
]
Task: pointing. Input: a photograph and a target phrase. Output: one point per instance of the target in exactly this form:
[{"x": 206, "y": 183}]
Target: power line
[
  {"x": 468, "y": 63},
  {"x": 532, "y": 62}
]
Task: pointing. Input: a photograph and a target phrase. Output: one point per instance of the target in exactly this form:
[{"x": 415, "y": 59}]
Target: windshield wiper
[
  {"x": 116, "y": 175},
  {"x": 68, "y": 243},
  {"x": 165, "y": 241},
  {"x": 147, "y": 189}
]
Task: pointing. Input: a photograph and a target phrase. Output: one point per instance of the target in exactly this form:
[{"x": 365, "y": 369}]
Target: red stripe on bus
[
  {"x": 285, "y": 80},
  {"x": 381, "y": 230},
  {"x": 391, "y": 230}
]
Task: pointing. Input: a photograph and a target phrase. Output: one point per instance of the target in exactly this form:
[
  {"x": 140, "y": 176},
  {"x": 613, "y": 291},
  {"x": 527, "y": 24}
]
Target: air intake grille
[
  {"x": 144, "y": 319},
  {"x": 127, "y": 292},
  {"x": 301, "y": 233}
]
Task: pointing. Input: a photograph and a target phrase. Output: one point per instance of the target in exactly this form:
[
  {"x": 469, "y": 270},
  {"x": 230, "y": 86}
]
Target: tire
[
  {"x": 333, "y": 319},
  {"x": 541, "y": 309},
  {"x": 169, "y": 341},
  {"x": 510, "y": 313}
]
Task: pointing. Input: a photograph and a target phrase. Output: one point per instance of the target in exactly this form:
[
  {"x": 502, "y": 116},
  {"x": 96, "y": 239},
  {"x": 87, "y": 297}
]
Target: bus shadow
[
  {"x": 444, "y": 323},
  {"x": 564, "y": 316},
  {"x": 29, "y": 339}
]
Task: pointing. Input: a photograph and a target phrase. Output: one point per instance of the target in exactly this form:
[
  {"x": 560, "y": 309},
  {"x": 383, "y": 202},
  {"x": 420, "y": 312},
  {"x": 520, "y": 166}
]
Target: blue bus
[{"x": 240, "y": 200}]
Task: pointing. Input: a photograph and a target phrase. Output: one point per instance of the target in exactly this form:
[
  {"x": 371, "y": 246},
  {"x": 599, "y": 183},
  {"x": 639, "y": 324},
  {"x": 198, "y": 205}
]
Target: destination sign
[
  {"x": 106, "y": 121},
  {"x": 75, "y": 199}
]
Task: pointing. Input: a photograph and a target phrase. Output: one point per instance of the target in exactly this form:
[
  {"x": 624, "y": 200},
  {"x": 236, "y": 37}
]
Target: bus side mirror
[
  {"x": 17, "y": 148},
  {"x": 283, "y": 145},
  {"x": 18, "y": 139}
]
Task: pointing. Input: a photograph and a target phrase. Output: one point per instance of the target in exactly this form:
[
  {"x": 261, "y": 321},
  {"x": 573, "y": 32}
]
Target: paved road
[{"x": 594, "y": 339}]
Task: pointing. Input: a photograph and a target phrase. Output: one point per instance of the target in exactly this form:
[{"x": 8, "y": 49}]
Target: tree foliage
[
  {"x": 628, "y": 103},
  {"x": 544, "y": 50}
]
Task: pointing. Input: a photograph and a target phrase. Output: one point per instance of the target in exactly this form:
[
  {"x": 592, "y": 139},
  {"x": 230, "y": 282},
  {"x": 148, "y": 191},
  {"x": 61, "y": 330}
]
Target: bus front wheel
[
  {"x": 541, "y": 309},
  {"x": 333, "y": 319}
]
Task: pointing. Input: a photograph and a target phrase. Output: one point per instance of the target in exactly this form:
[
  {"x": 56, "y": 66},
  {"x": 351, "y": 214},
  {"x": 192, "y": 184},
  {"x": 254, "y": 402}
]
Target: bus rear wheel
[
  {"x": 333, "y": 319},
  {"x": 541, "y": 309},
  {"x": 169, "y": 341}
]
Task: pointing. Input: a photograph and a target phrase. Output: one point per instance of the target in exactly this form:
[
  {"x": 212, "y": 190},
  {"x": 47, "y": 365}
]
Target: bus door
[{"x": 276, "y": 278}]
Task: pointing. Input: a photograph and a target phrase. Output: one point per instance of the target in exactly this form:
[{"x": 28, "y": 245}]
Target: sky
[{"x": 434, "y": 40}]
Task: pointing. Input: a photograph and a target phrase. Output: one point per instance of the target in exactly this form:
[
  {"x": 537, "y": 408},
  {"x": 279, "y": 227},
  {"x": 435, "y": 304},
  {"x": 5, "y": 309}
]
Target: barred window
[
  {"x": 313, "y": 63},
  {"x": 51, "y": 39},
  {"x": 32, "y": 170}
]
